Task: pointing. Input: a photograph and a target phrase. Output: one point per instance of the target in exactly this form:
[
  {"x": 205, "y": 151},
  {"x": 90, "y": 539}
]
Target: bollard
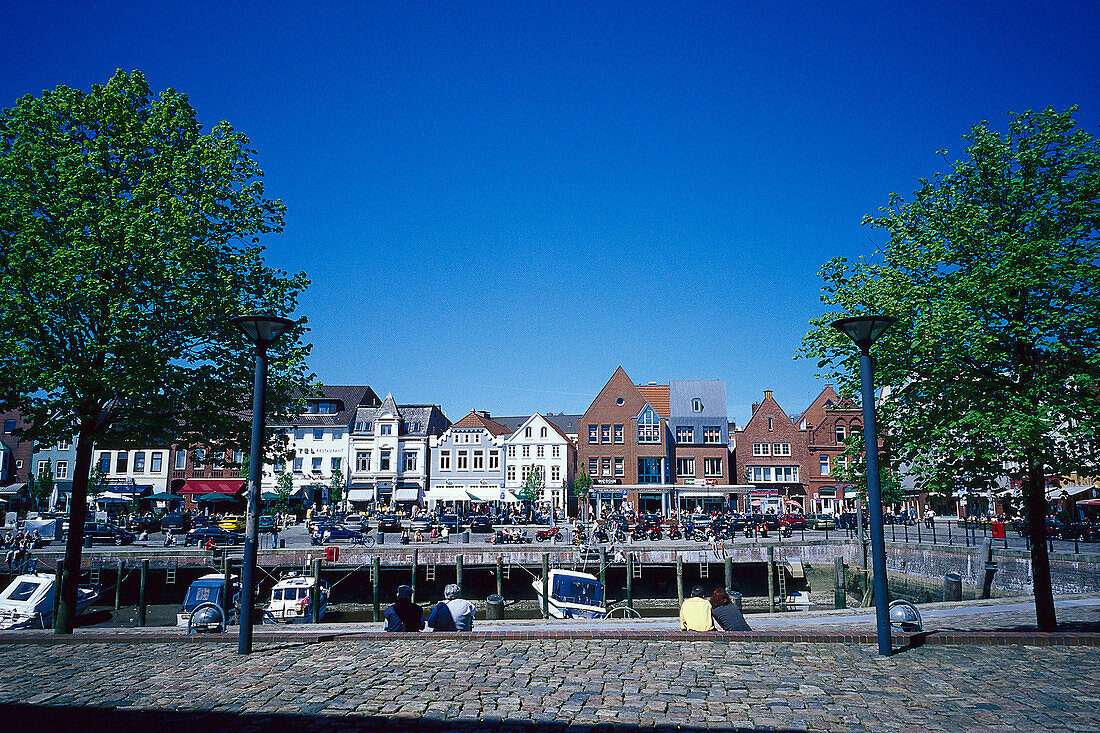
[
  {"x": 118, "y": 586},
  {"x": 282, "y": 544},
  {"x": 918, "y": 533},
  {"x": 630, "y": 579},
  {"x": 906, "y": 528},
  {"x": 60, "y": 570},
  {"x": 771, "y": 572},
  {"x": 546, "y": 585},
  {"x": 458, "y": 572},
  {"x": 933, "y": 531},
  {"x": 500, "y": 575},
  {"x": 494, "y": 605},
  {"x": 315, "y": 592},
  {"x": 729, "y": 572},
  {"x": 949, "y": 534},
  {"x": 952, "y": 587},
  {"x": 412, "y": 581},
  {"x": 381, "y": 537},
  {"x": 141, "y": 593},
  {"x": 466, "y": 537},
  {"x": 840, "y": 595},
  {"x": 736, "y": 598},
  {"x": 679, "y": 580},
  {"x": 376, "y": 582},
  {"x": 227, "y": 591}
]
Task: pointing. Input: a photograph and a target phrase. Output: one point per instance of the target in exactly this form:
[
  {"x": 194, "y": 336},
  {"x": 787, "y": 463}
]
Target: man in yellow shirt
[{"x": 695, "y": 613}]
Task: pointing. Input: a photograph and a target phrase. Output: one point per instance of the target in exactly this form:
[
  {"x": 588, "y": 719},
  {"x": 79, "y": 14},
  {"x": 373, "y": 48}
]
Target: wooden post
[
  {"x": 603, "y": 570},
  {"x": 546, "y": 585},
  {"x": 500, "y": 575},
  {"x": 141, "y": 592},
  {"x": 729, "y": 572},
  {"x": 57, "y": 585},
  {"x": 679, "y": 580},
  {"x": 630, "y": 579},
  {"x": 458, "y": 572},
  {"x": 118, "y": 586},
  {"x": 771, "y": 578},
  {"x": 376, "y": 568},
  {"x": 315, "y": 592},
  {"x": 416, "y": 561},
  {"x": 227, "y": 591},
  {"x": 840, "y": 596}
]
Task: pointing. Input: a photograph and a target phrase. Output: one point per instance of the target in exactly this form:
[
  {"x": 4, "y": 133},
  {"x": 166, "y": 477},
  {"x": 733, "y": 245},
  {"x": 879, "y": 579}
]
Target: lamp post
[
  {"x": 263, "y": 331},
  {"x": 864, "y": 330}
]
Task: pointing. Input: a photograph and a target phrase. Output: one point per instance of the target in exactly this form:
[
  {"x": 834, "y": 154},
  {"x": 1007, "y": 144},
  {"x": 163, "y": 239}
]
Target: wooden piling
[
  {"x": 603, "y": 569},
  {"x": 729, "y": 572},
  {"x": 376, "y": 582},
  {"x": 141, "y": 592},
  {"x": 58, "y": 572},
  {"x": 630, "y": 579},
  {"x": 118, "y": 585},
  {"x": 315, "y": 592},
  {"x": 500, "y": 575},
  {"x": 771, "y": 578},
  {"x": 679, "y": 580},
  {"x": 546, "y": 585},
  {"x": 416, "y": 561},
  {"x": 458, "y": 572},
  {"x": 840, "y": 596}
]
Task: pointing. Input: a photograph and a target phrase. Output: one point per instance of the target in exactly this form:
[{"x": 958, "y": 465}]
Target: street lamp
[
  {"x": 864, "y": 330},
  {"x": 263, "y": 331}
]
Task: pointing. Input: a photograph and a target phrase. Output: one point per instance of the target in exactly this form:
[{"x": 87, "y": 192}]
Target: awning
[
  {"x": 128, "y": 488},
  {"x": 164, "y": 496},
  {"x": 12, "y": 490},
  {"x": 484, "y": 493},
  {"x": 448, "y": 493},
  {"x": 511, "y": 498},
  {"x": 406, "y": 495},
  {"x": 213, "y": 486},
  {"x": 360, "y": 494}
]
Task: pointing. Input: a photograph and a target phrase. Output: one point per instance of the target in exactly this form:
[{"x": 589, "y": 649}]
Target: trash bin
[
  {"x": 282, "y": 544},
  {"x": 494, "y": 606},
  {"x": 952, "y": 587},
  {"x": 736, "y": 598},
  {"x": 381, "y": 537},
  {"x": 466, "y": 537},
  {"x": 998, "y": 530}
]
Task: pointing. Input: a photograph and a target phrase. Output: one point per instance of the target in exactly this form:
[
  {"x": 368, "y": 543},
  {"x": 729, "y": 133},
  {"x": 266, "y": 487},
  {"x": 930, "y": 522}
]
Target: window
[
  {"x": 649, "y": 470},
  {"x": 618, "y": 433},
  {"x": 511, "y": 472},
  {"x": 238, "y": 457},
  {"x": 62, "y": 471},
  {"x": 696, "y": 405},
  {"x": 444, "y": 460},
  {"x": 362, "y": 460},
  {"x": 526, "y": 451},
  {"x": 540, "y": 451},
  {"x": 43, "y": 468},
  {"x": 542, "y": 432},
  {"x": 605, "y": 466},
  {"x": 155, "y": 462},
  {"x": 619, "y": 469},
  {"x": 511, "y": 451},
  {"x": 139, "y": 462},
  {"x": 181, "y": 460},
  {"x": 297, "y": 465},
  {"x": 685, "y": 466},
  {"x": 770, "y": 424},
  {"x": 105, "y": 462},
  {"x": 463, "y": 460},
  {"x": 712, "y": 434},
  {"x": 367, "y": 427},
  {"x": 315, "y": 465},
  {"x": 840, "y": 433},
  {"x": 384, "y": 460},
  {"x": 9, "y": 425},
  {"x": 326, "y": 408},
  {"x": 649, "y": 426},
  {"x": 761, "y": 449},
  {"x": 555, "y": 473},
  {"x": 334, "y": 464},
  {"x": 63, "y": 444},
  {"x": 823, "y": 464},
  {"x": 200, "y": 455},
  {"x": 685, "y": 434},
  {"x": 479, "y": 460},
  {"x": 279, "y": 466},
  {"x": 555, "y": 451},
  {"x": 410, "y": 461},
  {"x": 122, "y": 461},
  {"x": 318, "y": 433},
  {"x": 494, "y": 460},
  {"x": 385, "y": 429},
  {"x": 218, "y": 456},
  {"x": 712, "y": 466},
  {"x": 593, "y": 467},
  {"x": 781, "y": 449},
  {"x": 527, "y": 432},
  {"x": 605, "y": 433},
  {"x": 593, "y": 433}
]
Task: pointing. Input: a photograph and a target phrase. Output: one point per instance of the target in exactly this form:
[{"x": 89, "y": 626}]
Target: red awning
[
  {"x": 230, "y": 486},
  {"x": 1089, "y": 502}
]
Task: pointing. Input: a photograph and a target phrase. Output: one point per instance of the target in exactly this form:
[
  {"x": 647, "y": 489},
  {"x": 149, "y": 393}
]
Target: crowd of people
[{"x": 18, "y": 544}]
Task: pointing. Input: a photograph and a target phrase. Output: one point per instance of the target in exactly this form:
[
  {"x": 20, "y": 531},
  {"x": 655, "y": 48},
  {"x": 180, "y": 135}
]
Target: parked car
[
  {"x": 450, "y": 521},
  {"x": 481, "y": 524},
  {"x": 650, "y": 521},
  {"x": 232, "y": 523},
  {"x": 104, "y": 533},
  {"x": 138, "y": 525},
  {"x": 355, "y": 522},
  {"x": 178, "y": 521},
  {"x": 821, "y": 521},
  {"x": 201, "y": 535},
  {"x": 389, "y": 523},
  {"x": 340, "y": 533},
  {"x": 266, "y": 522},
  {"x": 794, "y": 520},
  {"x": 423, "y": 524}
]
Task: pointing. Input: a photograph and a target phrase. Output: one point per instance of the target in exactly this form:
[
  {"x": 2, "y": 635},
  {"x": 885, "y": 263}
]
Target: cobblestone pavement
[{"x": 545, "y": 685}]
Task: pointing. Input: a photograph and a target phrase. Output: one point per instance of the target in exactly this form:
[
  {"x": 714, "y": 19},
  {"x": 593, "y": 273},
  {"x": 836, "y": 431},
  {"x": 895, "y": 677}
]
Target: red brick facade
[
  {"x": 828, "y": 421},
  {"x": 770, "y": 441}
]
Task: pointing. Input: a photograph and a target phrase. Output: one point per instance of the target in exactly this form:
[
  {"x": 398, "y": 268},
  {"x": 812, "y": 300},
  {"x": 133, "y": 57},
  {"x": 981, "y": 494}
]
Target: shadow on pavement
[{"x": 121, "y": 720}]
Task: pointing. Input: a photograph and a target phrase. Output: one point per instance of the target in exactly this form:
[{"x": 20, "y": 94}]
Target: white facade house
[
  {"x": 319, "y": 443},
  {"x": 540, "y": 445},
  {"x": 390, "y": 462},
  {"x": 468, "y": 462},
  {"x": 132, "y": 471}
]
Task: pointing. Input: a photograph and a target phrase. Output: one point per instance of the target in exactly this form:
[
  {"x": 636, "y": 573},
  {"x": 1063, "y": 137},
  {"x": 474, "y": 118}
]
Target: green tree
[
  {"x": 129, "y": 239},
  {"x": 42, "y": 488},
  {"x": 336, "y": 487},
  {"x": 531, "y": 490},
  {"x": 284, "y": 485},
  {"x": 582, "y": 487},
  {"x": 993, "y": 272}
]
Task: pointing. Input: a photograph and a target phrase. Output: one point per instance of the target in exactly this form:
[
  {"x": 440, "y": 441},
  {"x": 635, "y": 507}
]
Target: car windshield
[{"x": 201, "y": 594}]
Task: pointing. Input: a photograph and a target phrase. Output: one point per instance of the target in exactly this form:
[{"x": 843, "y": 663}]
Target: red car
[{"x": 794, "y": 520}]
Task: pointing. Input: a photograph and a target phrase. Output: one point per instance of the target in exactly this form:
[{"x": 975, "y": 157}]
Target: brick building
[
  {"x": 772, "y": 457},
  {"x": 827, "y": 423}
]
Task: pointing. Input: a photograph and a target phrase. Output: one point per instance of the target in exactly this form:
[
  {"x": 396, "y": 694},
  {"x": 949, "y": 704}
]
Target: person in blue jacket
[{"x": 404, "y": 615}]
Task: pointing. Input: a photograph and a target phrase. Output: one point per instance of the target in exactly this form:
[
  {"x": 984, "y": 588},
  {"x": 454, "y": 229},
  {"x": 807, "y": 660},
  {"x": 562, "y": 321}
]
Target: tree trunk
[
  {"x": 65, "y": 620},
  {"x": 1036, "y": 502}
]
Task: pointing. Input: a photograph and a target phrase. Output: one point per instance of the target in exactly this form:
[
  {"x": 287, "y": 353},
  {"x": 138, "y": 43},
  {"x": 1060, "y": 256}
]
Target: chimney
[
  {"x": 755, "y": 407},
  {"x": 767, "y": 395},
  {"x": 652, "y": 384},
  {"x": 484, "y": 413}
]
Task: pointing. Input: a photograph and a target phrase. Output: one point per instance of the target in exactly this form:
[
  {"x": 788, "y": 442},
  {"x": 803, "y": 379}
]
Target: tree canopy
[
  {"x": 992, "y": 271},
  {"x": 129, "y": 239}
]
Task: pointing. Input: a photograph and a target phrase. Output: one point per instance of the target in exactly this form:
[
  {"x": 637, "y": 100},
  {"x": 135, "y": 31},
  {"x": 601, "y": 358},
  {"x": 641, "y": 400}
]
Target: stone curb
[{"x": 904, "y": 641}]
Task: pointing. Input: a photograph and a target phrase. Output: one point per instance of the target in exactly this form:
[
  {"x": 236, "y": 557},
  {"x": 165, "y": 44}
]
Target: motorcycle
[
  {"x": 600, "y": 535},
  {"x": 699, "y": 535},
  {"x": 554, "y": 533},
  {"x": 580, "y": 537},
  {"x": 655, "y": 534},
  {"x": 674, "y": 533}
]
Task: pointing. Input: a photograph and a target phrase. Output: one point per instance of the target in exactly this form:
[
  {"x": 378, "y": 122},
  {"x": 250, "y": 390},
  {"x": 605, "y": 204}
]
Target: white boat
[
  {"x": 27, "y": 602},
  {"x": 572, "y": 595},
  {"x": 290, "y": 600},
  {"x": 207, "y": 589}
]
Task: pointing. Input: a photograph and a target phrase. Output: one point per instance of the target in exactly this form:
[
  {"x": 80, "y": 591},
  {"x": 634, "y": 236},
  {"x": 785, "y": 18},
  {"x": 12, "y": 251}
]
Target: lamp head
[
  {"x": 263, "y": 330},
  {"x": 864, "y": 330}
]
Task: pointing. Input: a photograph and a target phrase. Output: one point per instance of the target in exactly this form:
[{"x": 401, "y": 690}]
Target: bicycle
[{"x": 364, "y": 540}]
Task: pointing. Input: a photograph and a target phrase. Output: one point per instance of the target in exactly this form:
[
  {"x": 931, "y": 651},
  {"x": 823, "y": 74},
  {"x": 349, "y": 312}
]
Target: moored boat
[
  {"x": 207, "y": 589},
  {"x": 27, "y": 602},
  {"x": 573, "y": 595},
  {"x": 291, "y": 600}
]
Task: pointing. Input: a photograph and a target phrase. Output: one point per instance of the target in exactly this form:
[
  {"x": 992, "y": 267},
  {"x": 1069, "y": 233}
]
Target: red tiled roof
[
  {"x": 657, "y": 396},
  {"x": 477, "y": 420}
]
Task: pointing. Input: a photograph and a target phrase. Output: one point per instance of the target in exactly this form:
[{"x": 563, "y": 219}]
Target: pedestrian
[
  {"x": 725, "y": 613},
  {"x": 169, "y": 540},
  {"x": 404, "y": 615},
  {"x": 695, "y": 614},
  {"x": 452, "y": 613},
  {"x": 274, "y": 535}
]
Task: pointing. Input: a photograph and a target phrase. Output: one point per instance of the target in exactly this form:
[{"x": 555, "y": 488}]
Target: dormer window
[
  {"x": 324, "y": 407},
  {"x": 696, "y": 405}
]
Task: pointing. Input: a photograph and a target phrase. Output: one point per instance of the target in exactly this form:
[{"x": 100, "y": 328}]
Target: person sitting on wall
[
  {"x": 725, "y": 613},
  {"x": 695, "y": 614},
  {"x": 404, "y": 615}
]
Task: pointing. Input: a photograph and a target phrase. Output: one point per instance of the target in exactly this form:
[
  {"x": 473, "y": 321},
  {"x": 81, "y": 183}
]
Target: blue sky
[{"x": 500, "y": 203}]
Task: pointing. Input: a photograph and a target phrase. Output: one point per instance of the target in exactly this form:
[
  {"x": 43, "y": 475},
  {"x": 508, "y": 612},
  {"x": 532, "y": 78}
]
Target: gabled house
[
  {"x": 468, "y": 462},
  {"x": 700, "y": 435},
  {"x": 771, "y": 456},
  {"x": 540, "y": 445},
  {"x": 827, "y": 424}
]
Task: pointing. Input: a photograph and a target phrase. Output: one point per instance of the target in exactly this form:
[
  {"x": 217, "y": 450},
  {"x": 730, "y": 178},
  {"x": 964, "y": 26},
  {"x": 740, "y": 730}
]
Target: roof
[
  {"x": 477, "y": 420},
  {"x": 566, "y": 424},
  {"x": 555, "y": 427},
  {"x": 657, "y": 397},
  {"x": 350, "y": 397},
  {"x": 712, "y": 393},
  {"x": 412, "y": 416}
]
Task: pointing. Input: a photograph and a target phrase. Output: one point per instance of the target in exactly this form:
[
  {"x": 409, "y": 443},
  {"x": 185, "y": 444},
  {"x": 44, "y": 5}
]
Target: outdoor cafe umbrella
[
  {"x": 164, "y": 496},
  {"x": 215, "y": 497},
  {"x": 269, "y": 496}
]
